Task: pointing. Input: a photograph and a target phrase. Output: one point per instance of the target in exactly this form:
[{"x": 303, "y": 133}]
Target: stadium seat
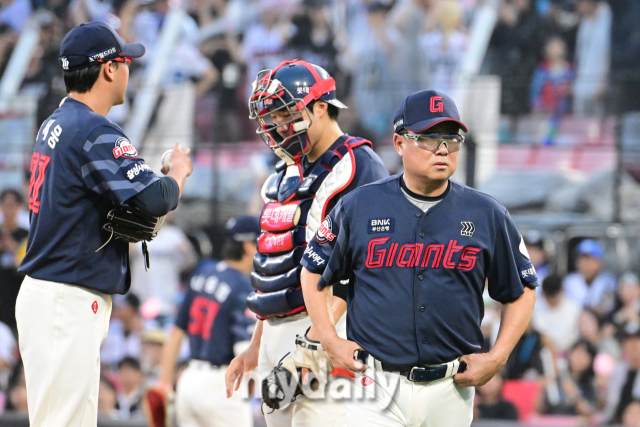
[{"x": 522, "y": 394}]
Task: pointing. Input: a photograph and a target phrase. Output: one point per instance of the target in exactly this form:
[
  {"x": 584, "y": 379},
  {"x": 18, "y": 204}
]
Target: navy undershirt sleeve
[{"x": 157, "y": 199}]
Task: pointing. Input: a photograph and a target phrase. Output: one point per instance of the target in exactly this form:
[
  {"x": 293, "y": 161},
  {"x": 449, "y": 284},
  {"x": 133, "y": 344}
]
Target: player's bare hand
[
  {"x": 480, "y": 369},
  {"x": 177, "y": 159},
  {"x": 245, "y": 362},
  {"x": 342, "y": 354}
]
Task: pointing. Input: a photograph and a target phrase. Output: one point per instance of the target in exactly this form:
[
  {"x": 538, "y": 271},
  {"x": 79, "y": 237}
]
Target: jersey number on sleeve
[
  {"x": 201, "y": 316},
  {"x": 39, "y": 164}
]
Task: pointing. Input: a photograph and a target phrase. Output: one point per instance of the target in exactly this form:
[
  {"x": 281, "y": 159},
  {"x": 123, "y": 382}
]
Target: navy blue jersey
[
  {"x": 214, "y": 313},
  {"x": 82, "y": 165},
  {"x": 419, "y": 278}
]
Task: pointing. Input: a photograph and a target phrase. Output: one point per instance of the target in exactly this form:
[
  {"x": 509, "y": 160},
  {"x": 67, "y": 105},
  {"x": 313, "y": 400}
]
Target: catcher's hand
[
  {"x": 310, "y": 356},
  {"x": 282, "y": 385}
]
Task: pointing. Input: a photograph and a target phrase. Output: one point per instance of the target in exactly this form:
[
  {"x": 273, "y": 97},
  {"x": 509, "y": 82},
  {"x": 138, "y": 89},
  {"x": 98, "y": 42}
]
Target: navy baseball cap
[
  {"x": 421, "y": 110},
  {"x": 244, "y": 228},
  {"x": 88, "y": 44}
]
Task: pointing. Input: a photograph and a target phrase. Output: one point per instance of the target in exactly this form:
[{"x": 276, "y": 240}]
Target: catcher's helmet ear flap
[{"x": 290, "y": 87}]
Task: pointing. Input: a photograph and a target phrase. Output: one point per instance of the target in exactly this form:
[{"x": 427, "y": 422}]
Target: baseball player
[
  {"x": 215, "y": 317},
  {"x": 85, "y": 174},
  {"x": 420, "y": 247},
  {"x": 297, "y": 110}
]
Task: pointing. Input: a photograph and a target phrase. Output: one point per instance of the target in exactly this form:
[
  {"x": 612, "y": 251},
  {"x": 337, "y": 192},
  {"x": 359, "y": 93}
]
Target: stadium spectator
[
  {"x": 551, "y": 82},
  {"x": 130, "y": 396},
  {"x": 12, "y": 247},
  {"x": 593, "y": 54},
  {"x": 170, "y": 253},
  {"x": 624, "y": 382},
  {"x": 8, "y": 39},
  {"x": 626, "y": 318},
  {"x": 125, "y": 328},
  {"x": 374, "y": 57},
  {"x": 589, "y": 286},
  {"x": 152, "y": 342},
  {"x": 631, "y": 416},
  {"x": 107, "y": 400},
  {"x": 525, "y": 361},
  {"x": 534, "y": 243},
  {"x": 576, "y": 383},
  {"x": 515, "y": 49},
  {"x": 492, "y": 406},
  {"x": 445, "y": 47},
  {"x": 555, "y": 315},
  {"x": 625, "y": 56},
  {"x": 15, "y": 13},
  {"x": 591, "y": 327},
  {"x": 17, "y": 390},
  {"x": 8, "y": 352}
]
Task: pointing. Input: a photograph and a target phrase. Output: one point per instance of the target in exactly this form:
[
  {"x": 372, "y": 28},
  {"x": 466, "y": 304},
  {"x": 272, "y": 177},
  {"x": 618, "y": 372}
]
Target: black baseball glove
[
  {"x": 133, "y": 226},
  {"x": 282, "y": 385}
]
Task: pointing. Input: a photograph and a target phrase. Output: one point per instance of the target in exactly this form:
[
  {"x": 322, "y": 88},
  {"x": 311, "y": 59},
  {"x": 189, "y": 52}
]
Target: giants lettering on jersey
[
  {"x": 124, "y": 149},
  {"x": 382, "y": 253}
]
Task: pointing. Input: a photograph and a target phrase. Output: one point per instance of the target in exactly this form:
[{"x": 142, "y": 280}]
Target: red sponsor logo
[
  {"x": 277, "y": 217},
  {"x": 123, "y": 148},
  {"x": 367, "y": 381},
  {"x": 94, "y": 307},
  {"x": 435, "y": 105}
]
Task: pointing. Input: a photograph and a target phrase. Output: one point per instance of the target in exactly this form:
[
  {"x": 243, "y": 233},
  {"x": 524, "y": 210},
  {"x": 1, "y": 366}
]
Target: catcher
[{"x": 82, "y": 166}]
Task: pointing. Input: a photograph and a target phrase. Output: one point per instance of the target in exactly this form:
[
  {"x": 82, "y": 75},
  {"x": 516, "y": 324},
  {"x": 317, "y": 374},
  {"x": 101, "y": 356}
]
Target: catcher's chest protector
[{"x": 296, "y": 202}]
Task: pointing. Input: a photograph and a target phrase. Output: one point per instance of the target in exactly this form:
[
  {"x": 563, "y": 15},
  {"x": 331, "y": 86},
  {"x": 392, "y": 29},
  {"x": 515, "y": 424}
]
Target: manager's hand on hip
[
  {"x": 480, "y": 369},
  {"x": 342, "y": 353},
  {"x": 244, "y": 362},
  {"x": 177, "y": 160}
]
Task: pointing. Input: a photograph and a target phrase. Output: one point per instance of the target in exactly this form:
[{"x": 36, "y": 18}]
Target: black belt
[{"x": 419, "y": 374}]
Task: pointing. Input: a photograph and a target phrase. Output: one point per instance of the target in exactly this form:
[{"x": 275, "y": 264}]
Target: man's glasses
[{"x": 433, "y": 141}]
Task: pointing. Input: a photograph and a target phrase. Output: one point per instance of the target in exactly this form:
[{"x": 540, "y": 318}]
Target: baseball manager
[{"x": 421, "y": 248}]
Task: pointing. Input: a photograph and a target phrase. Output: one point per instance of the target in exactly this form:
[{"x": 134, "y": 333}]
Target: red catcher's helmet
[{"x": 291, "y": 87}]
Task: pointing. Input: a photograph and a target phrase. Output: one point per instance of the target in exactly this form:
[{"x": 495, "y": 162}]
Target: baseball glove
[
  {"x": 154, "y": 406},
  {"x": 282, "y": 385},
  {"x": 310, "y": 354},
  {"x": 132, "y": 226}
]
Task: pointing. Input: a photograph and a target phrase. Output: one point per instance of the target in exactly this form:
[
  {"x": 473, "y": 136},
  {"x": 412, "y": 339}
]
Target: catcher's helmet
[{"x": 291, "y": 87}]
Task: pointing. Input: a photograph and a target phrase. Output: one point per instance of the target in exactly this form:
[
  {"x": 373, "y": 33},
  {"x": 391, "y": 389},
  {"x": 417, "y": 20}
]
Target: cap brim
[
  {"x": 426, "y": 124},
  {"x": 336, "y": 103},
  {"x": 133, "y": 50}
]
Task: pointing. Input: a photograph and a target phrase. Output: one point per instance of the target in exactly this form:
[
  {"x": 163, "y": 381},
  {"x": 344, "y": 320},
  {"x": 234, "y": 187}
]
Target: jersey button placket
[
  {"x": 420, "y": 277},
  {"x": 422, "y": 308},
  {"x": 424, "y": 340}
]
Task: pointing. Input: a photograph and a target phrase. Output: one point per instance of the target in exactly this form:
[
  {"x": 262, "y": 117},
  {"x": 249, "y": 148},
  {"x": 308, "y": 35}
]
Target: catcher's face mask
[{"x": 270, "y": 98}]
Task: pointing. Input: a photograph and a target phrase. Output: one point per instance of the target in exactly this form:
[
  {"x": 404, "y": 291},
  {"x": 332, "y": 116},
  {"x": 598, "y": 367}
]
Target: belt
[{"x": 418, "y": 374}]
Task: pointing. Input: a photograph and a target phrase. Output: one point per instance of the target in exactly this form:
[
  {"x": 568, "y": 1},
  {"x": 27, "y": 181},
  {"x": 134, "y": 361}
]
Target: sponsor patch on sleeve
[
  {"x": 137, "y": 169},
  {"x": 528, "y": 273},
  {"x": 325, "y": 231},
  {"x": 381, "y": 225},
  {"x": 314, "y": 258},
  {"x": 123, "y": 148}
]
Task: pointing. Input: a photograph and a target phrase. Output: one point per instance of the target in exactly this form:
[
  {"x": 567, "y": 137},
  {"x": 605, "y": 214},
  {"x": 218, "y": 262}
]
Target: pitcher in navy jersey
[
  {"x": 215, "y": 318},
  {"x": 421, "y": 248},
  {"x": 83, "y": 164}
]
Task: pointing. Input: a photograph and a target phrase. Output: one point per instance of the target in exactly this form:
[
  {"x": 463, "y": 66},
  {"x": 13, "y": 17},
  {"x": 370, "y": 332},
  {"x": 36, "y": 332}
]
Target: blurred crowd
[{"x": 554, "y": 57}]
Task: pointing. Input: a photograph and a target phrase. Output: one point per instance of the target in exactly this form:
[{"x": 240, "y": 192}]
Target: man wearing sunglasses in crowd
[
  {"x": 83, "y": 164},
  {"x": 419, "y": 249}
]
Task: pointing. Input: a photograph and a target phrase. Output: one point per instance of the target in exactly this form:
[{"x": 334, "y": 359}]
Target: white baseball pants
[
  {"x": 278, "y": 339},
  {"x": 385, "y": 399},
  {"x": 201, "y": 399},
  {"x": 60, "y": 330}
]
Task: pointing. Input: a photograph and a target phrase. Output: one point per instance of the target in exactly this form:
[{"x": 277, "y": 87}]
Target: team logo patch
[
  {"x": 367, "y": 381},
  {"x": 124, "y": 149},
  {"x": 65, "y": 63},
  {"x": 528, "y": 273},
  {"x": 325, "y": 231},
  {"x": 467, "y": 228},
  {"x": 94, "y": 307},
  {"x": 137, "y": 169},
  {"x": 383, "y": 225}
]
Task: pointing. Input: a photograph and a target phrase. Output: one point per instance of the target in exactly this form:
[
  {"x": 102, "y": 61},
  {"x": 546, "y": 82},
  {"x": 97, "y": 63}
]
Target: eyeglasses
[
  {"x": 124, "y": 59},
  {"x": 433, "y": 141}
]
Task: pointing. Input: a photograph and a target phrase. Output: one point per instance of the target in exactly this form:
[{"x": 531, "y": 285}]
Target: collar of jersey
[
  {"x": 421, "y": 197},
  {"x": 308, "y": 166}
]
